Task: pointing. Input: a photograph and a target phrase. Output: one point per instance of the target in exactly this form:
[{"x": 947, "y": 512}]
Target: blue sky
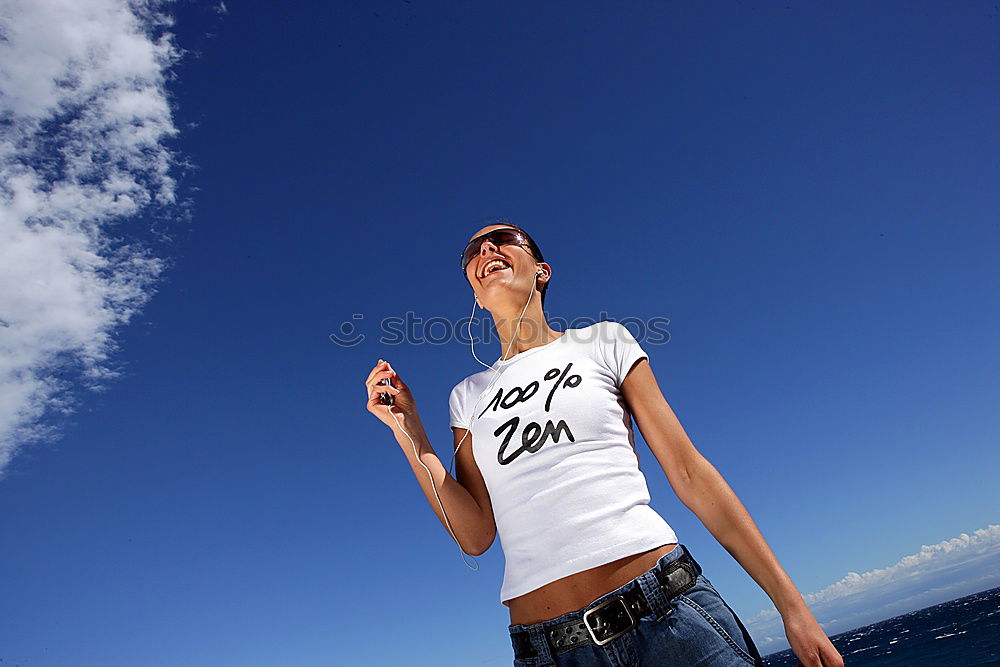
[{"x": 807, "y": 192}]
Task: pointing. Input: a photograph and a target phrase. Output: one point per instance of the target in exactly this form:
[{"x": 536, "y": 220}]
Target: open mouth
[{"x": 493, "y": 266}]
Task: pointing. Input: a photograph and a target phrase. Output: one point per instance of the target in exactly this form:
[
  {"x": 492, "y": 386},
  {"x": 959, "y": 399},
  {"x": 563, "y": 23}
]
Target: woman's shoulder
[
  {"x": 463, "y": 385},
  {"x": 599, "y": 332}
]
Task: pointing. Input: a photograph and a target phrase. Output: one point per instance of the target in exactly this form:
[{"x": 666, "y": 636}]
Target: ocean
[{"x": 962, "y": 632}]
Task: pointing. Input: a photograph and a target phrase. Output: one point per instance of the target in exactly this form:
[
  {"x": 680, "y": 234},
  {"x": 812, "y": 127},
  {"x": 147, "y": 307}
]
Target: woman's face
[{"x": 514, "y": 274}]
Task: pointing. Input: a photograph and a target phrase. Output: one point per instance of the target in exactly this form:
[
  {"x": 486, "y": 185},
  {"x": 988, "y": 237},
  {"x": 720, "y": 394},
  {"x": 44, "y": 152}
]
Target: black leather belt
[{"x": 613, "y": 617}]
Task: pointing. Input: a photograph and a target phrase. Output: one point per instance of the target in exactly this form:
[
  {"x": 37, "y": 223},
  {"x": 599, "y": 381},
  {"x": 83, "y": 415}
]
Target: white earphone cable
[{"x": 496, "y": 374}]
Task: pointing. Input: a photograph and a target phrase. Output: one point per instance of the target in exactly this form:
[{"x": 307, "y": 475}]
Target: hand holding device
[
  {"x": 385, "y": 397},
  {"x": 388, "y": 395}
]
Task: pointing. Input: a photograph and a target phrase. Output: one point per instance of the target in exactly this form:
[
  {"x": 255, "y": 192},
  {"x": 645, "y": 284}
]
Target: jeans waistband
[{"x": 646, "y": 581}]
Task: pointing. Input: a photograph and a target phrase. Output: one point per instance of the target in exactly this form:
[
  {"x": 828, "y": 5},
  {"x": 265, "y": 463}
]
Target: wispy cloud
[
  {"x": 83, "y": 119},
  {"x": 937, "y": 573}
]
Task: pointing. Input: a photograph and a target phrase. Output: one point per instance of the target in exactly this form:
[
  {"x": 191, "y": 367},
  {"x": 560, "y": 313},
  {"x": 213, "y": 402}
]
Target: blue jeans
[{"x": 694, "y": 629}]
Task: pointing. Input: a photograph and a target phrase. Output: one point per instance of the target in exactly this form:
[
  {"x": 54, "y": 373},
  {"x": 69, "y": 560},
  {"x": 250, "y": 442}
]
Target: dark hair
[{"x": 533, "y": 248}]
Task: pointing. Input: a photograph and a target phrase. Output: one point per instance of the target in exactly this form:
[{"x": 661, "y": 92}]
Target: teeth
[{"x": 496, "y": 262}]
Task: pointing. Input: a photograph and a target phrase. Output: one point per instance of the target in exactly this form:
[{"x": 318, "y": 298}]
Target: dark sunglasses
[{"x": 499, "y": 237}]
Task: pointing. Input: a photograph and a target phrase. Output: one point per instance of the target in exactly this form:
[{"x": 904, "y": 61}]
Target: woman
[{"x": 593, "y": 576}]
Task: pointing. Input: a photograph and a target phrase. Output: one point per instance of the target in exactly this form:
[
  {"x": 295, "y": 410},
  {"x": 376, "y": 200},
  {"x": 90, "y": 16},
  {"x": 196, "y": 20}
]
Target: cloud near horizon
[
  {"x": 85, "y": 115},
  {"x": 937, "y": 573}
]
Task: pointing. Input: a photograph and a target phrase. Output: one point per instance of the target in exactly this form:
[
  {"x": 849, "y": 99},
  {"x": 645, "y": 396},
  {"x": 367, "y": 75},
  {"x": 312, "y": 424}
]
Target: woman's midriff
[{"x": 580, "y": 589}]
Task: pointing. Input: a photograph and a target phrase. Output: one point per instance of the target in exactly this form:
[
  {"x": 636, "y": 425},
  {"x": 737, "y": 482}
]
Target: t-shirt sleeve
[
  {"x": 620, "y": 350},
  {"x": 456, "y": 406}
]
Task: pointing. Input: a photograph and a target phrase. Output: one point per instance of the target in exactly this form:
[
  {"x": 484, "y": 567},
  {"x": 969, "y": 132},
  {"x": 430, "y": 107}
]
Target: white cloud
[
  {"x": 83, "y": 119},
  {"x": 937, "y": 573}
]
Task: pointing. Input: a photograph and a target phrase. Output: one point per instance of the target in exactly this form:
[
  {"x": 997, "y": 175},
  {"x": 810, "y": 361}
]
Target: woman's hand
[
  {"x": 403, "y": 404},
  {"x": 808, "y": 641}
]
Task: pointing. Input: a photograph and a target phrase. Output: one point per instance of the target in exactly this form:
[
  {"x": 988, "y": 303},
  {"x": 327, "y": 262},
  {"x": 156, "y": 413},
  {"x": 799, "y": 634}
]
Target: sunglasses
[{"x": 499, "y": 237}]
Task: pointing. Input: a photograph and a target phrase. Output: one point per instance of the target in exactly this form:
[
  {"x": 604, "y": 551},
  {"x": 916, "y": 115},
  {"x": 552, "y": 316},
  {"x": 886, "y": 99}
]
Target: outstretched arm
[{"x": 704, "y": 491}]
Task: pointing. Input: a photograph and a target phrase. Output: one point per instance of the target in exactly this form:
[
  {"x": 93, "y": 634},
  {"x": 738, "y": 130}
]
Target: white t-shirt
[{"x": 553, "y": 440}]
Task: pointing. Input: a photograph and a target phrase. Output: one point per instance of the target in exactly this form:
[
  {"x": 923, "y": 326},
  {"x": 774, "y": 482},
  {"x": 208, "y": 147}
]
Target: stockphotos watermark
[{"x": 411, "y": 329}]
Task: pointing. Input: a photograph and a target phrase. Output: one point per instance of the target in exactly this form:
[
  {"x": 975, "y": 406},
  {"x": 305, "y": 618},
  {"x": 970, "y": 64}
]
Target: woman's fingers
[
  {"x": 393, "y": 375},
  {"x": 375, "y": 401},
  {"x": 818, "y": 658},
  {"x": 380, "y": 366},
  {"x": 385, "y": 389},
  {"x": 377, "y": 376},
  {"x": 379, "y": 373},
  {"x": 383, "y": 370},
  {"x": 832, "y": 657},
  {"x": 396, "y": 380},
  {"x": 374, "y": 388}
]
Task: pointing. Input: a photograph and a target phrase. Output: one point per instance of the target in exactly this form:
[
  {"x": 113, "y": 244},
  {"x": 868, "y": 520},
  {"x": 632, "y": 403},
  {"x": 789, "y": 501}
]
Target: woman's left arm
[{"x": 704, "y": 491}]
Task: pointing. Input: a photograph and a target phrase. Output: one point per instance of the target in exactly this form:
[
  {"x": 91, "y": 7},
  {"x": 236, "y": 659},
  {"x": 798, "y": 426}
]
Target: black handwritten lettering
[
  {"x": 519, "y": 395},
  {"x": 571, "y": 381},
  {"x": 534, "y": 434},
  {"x": 532, "y": 438},
  {"x": 554, "y": 431},
  {"x": 512, "y": 398}
]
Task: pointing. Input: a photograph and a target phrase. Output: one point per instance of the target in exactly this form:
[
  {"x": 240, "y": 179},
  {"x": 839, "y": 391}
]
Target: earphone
[{"x": 496, "y": 372}]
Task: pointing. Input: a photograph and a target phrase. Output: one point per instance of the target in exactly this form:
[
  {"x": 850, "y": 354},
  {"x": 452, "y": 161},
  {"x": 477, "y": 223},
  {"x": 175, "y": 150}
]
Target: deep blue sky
[{"x": 807, "y": 191}]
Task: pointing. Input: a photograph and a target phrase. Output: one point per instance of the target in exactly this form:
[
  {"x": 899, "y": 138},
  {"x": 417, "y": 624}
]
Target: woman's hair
[{"x": 533, "y": 248}]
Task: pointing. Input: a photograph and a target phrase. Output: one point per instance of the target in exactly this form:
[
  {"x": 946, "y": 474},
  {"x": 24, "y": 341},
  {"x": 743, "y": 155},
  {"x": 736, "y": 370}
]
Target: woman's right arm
[{"x": 467, "y": 502}]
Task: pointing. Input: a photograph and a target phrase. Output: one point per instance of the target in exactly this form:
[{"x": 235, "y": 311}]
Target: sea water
[{"x": 963, "y": 632}]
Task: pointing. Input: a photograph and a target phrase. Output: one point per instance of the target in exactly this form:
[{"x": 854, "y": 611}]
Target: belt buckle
[{"x": 586, "y": 615}]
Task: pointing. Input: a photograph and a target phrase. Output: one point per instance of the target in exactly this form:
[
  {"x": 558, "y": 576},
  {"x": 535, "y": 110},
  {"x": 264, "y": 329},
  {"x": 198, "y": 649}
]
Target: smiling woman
[
  {"x": 506, "y": 234},
  {"x": 593, "y": 575}
]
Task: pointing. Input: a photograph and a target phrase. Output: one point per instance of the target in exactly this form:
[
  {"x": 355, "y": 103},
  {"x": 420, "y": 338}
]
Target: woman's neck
[{"x": 532, "y": 332}]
